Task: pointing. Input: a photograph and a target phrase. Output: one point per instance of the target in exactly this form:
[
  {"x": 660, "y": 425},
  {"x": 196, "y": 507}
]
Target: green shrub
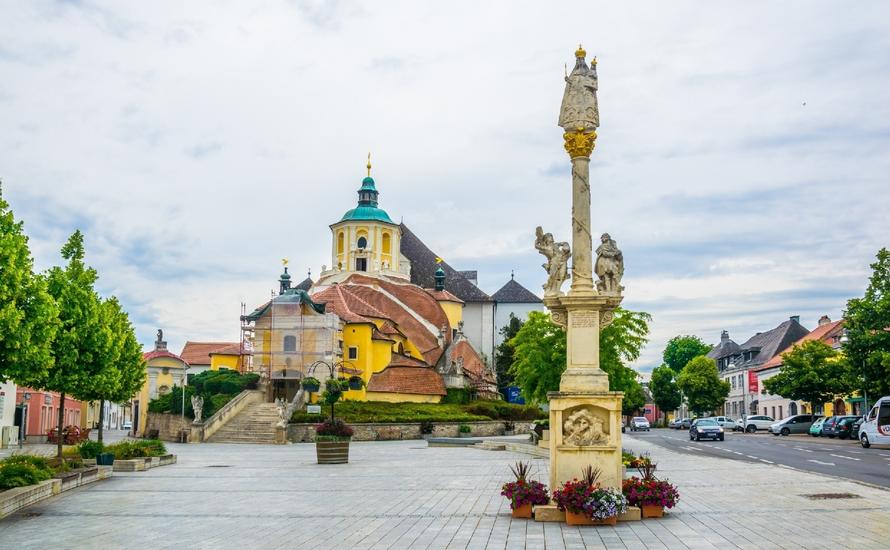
[
  {"x": 499, "y": 410},
  {"x": 464, "y": 429},
  {"x": 21, "y": 474},
  {"x": 130, "y": 448},
  {"x": 483, "y": 408},
  {"x": 357, "y": 412},
  {"x": 89, "y": 449},
  {"x": 40, "y": 462},
  {"x": 458, "y": 396},
  {"x": 161, "y": 404}
]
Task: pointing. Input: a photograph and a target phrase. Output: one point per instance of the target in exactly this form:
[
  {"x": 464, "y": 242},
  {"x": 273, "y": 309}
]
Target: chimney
[
  {"x": 824, "y": 320},
  {"x": 724, "y": 336},
  {"x": 795, "y": 319}
]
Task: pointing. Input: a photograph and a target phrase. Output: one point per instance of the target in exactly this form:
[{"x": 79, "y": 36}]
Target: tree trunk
[
  {"x": 59, "y": 437},
  {"x": 101, "y": 419}
]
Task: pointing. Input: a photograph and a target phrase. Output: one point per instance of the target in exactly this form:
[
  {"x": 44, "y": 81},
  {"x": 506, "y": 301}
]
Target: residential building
[
  {"x": 40, "y": 412},
  {"x": 203, "y": 356},
  {"x": 516, "y": 300},
  {"x": 737, "y": 364},
  {"x": 164, "y": 369}
]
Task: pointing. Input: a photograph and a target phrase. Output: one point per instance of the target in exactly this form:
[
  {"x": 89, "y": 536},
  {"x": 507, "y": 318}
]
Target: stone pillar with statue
[{"x": 585, "y": 417}]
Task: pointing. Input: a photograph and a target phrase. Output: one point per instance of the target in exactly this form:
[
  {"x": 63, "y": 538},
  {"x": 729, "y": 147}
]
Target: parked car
[
  {"x": 843, "y": 428},
  {"x": 725, "y": 421},
  {"x": 639, "y": 423},
  {"x": 686, "y": 423},
  {"x": 675, "y": 423},
  {"x": 126, "y": 425},
  {"x": 854, "y": 429},
  {"x": 816, "y": 428},
  {"x": 706, "y": 428},
  {"x": 754, "y": 422},
  {"x": 875, "y": 430},
  {"x": 828, "y": 424},
  {"x": 797, "y": 424}
]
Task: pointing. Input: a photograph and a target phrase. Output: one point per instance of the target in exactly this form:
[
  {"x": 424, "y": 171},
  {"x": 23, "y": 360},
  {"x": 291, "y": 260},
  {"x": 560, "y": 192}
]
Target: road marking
[
  {"x": 738, "y": 453},
  {"x": 855, "y": 452},
  {"x": 804, "y": 450},
  {"x": 823, "y": 463},
  {"x": 754, "y": 457},
  {"x": 847, "y": 457},
  {"x": 883, "y": 454},
  {"x": 767, "y": 461},
  {"x": 692, "y": 448}
]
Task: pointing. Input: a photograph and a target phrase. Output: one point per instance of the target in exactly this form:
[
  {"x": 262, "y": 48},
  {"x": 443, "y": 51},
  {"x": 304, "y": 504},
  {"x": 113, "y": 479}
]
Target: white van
[{"x": 876, "y": 428}]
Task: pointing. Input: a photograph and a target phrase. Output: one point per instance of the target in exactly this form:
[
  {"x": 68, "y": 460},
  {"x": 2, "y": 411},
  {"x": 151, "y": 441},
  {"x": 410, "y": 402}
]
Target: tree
[
  {"x": 28, "y": 314},
  {"x": 122, "y": 366},
  {"x": 77, "y": 347},
  {"x": 867, "y": 321},
  {"x": 663, "y": 386},
  {"x": 505, "y": 352},
  {"x": 811, "y": 372},
  {"x": 704, "y": 390},
  {"x": 540, "y": 352},
  {"x": 634, "y": 399},
  {"x": 683, "y": 349}
]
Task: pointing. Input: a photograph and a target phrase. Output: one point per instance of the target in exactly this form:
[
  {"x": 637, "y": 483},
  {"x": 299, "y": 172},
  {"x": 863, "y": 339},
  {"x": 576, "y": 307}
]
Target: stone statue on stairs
[{"x": 198, "y": 407}]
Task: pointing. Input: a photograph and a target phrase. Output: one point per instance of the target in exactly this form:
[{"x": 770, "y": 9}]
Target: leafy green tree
[
  {"x": 540, "y": 352},
  {"x": 505, "y": 352},
  {"x": 683, "y": 349},
  {"x": 811, "y": 372},
  {"x": 79, "y": 344},
  {"x": 28, "y": 314},
  {"x": 703, "y": 388},
  {"x": 122, "y": 371},
  {"x": 665, "y": 391},
  {"x": 634, "y": 399},
  {"x": 867, "y": 321}
]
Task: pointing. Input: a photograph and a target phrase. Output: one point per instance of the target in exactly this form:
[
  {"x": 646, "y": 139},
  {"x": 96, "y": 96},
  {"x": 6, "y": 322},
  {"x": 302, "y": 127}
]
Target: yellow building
[
  {"x": 366, "y": 317},
  {"x": 164, "y": 370}
]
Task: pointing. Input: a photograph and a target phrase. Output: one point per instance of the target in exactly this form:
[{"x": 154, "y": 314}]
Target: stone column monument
[{"x": 585, "y": 417}]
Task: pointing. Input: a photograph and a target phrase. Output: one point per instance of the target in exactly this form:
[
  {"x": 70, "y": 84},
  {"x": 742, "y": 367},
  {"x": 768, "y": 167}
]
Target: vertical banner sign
[{"x": 753, "y": 382}]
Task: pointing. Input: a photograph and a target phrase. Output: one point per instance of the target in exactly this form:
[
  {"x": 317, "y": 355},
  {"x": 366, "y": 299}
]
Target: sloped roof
[
  {"x": 423, "y": 270},
  {"x": 515, "y": 293},
  {"x": 725, "y": 348},
  {"x": 234, "y": 349},
  {"x": 154, "y": 354},
  {"x": 416, "y": 380},
  {"x": 305, "y": 284},
  {"x": 198, "y": 353},
  {"x": 472, "y": 363},
  {"x": 825, "y": 333},
  {"x": 772, "y": 341}
]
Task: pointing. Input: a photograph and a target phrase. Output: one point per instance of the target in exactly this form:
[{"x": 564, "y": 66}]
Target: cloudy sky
[{"x": 743, "y": 162}]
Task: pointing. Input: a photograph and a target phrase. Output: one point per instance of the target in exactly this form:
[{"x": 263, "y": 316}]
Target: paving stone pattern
[{"x": 401, "y": 494}]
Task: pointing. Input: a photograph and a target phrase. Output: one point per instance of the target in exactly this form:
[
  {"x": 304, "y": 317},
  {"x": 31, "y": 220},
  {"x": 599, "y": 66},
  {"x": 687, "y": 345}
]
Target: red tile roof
[
  {"x": 443, "y": 295},
  {"x": 149, "y": 355},
  {"x": 472, "y": 363},
  {"x": 198, "y": 353},
  {"x": 399, "y": 360},
  {"x": 825, "y": 333},
  {"x": 415, "y": 380},
  {"x": 234, "y": 349}
]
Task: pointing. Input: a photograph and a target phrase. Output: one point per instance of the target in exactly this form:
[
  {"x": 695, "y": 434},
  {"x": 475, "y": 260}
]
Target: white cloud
[{"x": 202, "y": 144}]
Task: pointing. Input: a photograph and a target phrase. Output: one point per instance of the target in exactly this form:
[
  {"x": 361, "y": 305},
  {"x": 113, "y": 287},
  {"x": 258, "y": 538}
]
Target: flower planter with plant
[
  {"x": 356, "y": 382},
  {"x": 464, "y": 431},
  {"x": 652, "y": 495},
  {"x": 311, "y": 384},
  {"x": 332, "y": 442},
  {"x": 586, "y": 502},
  {"x": 426, "y": 429},
  {"x": 523, "y": 492}
]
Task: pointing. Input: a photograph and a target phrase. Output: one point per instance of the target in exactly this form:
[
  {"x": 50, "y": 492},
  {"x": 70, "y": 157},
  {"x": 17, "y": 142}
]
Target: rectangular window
[
  {"x": 353, "y": 352},
  {"x": 774, "y": 412},
  {"x": 780, "y": 413}
]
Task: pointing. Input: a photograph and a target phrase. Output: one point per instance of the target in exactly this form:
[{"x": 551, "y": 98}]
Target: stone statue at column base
[
  {"x": 609, "y": 266},
  {"x": 557, "y": 254}
]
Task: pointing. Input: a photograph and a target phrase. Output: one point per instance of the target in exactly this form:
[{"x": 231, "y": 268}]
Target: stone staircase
[{"x": 255, "y": 424}]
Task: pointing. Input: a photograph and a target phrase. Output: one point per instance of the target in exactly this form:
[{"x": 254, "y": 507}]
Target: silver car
[
  {"x": 639, "y": 423},
  {"x": 797, "y": 424}
]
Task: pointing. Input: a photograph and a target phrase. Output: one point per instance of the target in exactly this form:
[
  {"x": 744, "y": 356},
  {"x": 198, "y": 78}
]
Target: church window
[
  {"x": 290, "y": 343},
  {"x": 362, "y": 243},
  {"x": 340, "y": 240},
  {"x": 353, "y": 352},
  {"x": 386, "y": 245}
]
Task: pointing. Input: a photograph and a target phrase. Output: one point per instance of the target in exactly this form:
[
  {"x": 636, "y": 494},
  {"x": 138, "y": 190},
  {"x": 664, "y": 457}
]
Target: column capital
[{"x": 579, "y": 143}]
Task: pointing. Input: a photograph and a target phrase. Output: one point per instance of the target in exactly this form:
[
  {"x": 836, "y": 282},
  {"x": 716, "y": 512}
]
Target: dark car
[
  {"x": 706, "y": 428},
  {"x": 842, "y": 427},
  {"x": 828, "y": 424},
  {"x": 854, "y": 430}
]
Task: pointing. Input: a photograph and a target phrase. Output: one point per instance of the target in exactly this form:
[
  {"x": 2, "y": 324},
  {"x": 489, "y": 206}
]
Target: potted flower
[
  {"x": 356, "y": 382},
  {"x": 585, "y": 502},
  {"x": 464, "y": 431},
  {"x": 651, "y": 495},
  {"x": 524, "y": 493},
  {"x": 509, "y": 427},
  {"x": 332, "y": 442},
  {"x": 311, "y": 384},
  {"x": 426, "y": 429}
]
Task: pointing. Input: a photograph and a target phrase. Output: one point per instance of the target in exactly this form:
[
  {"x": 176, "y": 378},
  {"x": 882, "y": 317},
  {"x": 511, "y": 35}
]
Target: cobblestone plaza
[{"x": 405, "y": 495}]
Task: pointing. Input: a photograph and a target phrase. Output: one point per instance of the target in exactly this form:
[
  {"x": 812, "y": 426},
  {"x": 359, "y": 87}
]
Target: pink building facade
[{"x": 41, "y": 412}]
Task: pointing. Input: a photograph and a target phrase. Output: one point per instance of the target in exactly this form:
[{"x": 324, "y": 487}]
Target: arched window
[
  {"x": 387, "y": 245},
  {"x": 340, "y": 239},
  {"x": 792, "y": 408},
  {"x": 362, "y": 243},
  {"x": 290, "y": 343}
]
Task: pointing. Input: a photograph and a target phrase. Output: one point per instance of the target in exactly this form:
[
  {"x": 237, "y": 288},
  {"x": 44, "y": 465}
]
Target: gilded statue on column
[{"x": 579, "y": 111}]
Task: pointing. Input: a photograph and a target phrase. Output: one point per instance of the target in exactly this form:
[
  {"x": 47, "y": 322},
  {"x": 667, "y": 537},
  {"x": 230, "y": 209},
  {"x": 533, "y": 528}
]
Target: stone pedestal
[{"x": 585, "y": 430}]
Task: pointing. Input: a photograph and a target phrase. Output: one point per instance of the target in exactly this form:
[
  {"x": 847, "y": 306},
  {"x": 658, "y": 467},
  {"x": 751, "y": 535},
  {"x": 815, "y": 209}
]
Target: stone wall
[
  {"x": 169, "y": 426},
  {"x": 384, "y": 432}
]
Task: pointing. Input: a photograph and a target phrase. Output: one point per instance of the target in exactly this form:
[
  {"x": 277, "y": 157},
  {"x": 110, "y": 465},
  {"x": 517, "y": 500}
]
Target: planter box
[
  {"x": 13, "y": 500},
  {"x": 462, "y": 434},
  {"x": 652, "y": 510},
  {"x": 167, "y": 459},
  {"x": 580, "y": 519},
  {"x": 524, "y": 511},
  {"x": 332, "y": 452}
]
